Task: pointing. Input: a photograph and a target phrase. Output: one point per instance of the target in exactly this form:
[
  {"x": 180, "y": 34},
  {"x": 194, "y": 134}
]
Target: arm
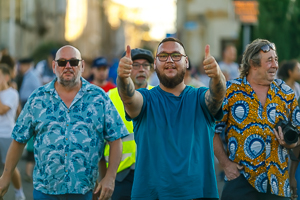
[
  {"x": 107, "y": 184},
  {"x": 13, "y": 155},
  {"x": 231, "y": 169},
  {"x": 294, "y": 165},
  {"x": 132, "y": 100},
  {"x": 217, "y": 85},
  {"x": 3, "y": 108}
]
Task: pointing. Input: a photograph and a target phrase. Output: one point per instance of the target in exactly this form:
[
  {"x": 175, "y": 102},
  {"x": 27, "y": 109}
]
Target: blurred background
[
  {"x": 105, "y": 27},
  {"x": 32, "y": 30}
]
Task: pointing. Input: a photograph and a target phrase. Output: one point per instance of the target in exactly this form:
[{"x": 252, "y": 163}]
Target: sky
[{"x": 159, "y": 14}]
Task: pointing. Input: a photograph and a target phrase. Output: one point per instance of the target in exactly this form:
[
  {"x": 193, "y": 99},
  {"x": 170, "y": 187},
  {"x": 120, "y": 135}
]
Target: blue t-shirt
[{"x": 174, "y": 137}]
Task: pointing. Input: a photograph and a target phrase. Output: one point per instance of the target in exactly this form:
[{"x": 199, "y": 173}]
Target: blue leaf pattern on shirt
[{"x": 68, "y": 142}]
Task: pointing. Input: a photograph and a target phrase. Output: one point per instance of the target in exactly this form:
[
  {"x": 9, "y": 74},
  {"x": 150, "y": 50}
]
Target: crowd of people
[{"x": 90, "y": 138}]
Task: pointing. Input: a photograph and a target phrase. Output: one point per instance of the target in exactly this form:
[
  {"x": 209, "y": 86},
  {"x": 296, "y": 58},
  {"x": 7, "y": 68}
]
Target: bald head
[{"x": 69, "y": 50}]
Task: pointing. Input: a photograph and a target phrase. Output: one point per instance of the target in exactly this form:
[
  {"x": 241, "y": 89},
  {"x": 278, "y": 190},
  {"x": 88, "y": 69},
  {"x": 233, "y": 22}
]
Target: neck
[
  {"x": 67, "y": 89},
  {"x": 4, "y": 87},
  {"x": 227, "y": 61},
  {"x": 100, "y": 82},
  {"x": 140, "y": 86},
  {"x": 176, "y": 90},
  {"x": 255, "y": 82}
]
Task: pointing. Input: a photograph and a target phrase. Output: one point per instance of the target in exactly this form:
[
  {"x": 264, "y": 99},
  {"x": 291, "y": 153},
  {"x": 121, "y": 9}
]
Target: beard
[
  {"x": 68, "y": 83},
  {"x": 170, "y": 82}
]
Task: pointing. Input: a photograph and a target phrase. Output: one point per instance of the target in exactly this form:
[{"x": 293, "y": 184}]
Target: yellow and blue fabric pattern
[{"x": 249, "y": 132}]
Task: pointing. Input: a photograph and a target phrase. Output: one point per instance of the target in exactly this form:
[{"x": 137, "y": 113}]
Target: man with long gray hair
[{"x": 256, "y": 167}]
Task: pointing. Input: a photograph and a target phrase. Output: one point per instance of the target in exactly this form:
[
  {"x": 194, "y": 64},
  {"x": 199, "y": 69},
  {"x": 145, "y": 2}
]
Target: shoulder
[{"x": 282, "y": 86}]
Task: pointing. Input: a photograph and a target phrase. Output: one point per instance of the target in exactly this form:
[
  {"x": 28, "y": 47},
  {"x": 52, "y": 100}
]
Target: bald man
[{"x": 69, "y": 119}]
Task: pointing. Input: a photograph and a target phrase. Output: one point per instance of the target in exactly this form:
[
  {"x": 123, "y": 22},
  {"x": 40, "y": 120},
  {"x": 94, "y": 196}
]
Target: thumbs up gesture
[
  {"x": 125, "y": 65},
  {"x": 210, "y": 65}
]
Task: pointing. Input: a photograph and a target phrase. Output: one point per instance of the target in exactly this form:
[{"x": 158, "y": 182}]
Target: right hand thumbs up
[{"x": 125, "y": 64}]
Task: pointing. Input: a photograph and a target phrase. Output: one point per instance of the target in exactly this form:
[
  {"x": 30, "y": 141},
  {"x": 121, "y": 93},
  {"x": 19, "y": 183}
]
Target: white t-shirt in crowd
[{"x": 10, "y": 98}]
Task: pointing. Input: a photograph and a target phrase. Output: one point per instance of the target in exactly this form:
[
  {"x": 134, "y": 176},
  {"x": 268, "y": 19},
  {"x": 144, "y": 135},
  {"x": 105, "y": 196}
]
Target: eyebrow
[{"x": 169, "y": 53}]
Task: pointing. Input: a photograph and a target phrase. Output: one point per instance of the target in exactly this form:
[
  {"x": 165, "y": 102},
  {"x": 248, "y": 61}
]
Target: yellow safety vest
[{"x": 129, "y": 146}]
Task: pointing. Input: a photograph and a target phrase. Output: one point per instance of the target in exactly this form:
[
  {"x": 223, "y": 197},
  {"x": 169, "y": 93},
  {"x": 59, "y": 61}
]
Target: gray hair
[{"x": 252, "y": 56}]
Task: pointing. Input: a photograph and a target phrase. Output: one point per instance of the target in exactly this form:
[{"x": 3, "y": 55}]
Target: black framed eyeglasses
[
  {"x": 174, "y": 56},
  {"x": 146, "y": 66},
  {"x": 267, "y": 47},
  {"x": 63, "y": 62}
]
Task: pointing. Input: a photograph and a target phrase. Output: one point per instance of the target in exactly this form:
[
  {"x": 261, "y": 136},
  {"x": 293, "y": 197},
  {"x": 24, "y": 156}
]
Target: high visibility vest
[{"x": 129, "y": 146}]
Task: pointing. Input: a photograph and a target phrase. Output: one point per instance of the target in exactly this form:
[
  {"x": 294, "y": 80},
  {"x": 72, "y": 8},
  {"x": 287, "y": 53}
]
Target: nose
[
  {"x": 68, "y": 64},
  {"x": 169, "y": 59}
]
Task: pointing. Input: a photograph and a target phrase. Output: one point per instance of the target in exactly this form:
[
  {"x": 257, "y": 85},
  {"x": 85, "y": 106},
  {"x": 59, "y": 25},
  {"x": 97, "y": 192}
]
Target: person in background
[
  {"x": 69, "y": 119},
  {"x": 173, "y": 126},
  {"x": 100, "y": 71},
  {"x": 44, "y": 68},
  {"x": 289, "y": 71},
  {"x": 191, "y": 81},
  {"x": 9, "y": 102},
  {"x": 27, "y": 79},
  {"x": 142, "y": 61},
  {"x": 256, "y": 166},
  {"x": 228, "y": 65}
]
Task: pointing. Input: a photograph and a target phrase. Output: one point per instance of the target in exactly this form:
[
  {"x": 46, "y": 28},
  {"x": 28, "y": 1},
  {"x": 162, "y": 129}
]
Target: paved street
[{"x": 27, "y": 187}]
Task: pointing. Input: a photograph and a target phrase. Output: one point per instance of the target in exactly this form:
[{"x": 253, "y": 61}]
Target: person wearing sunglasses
[
  {"x": 69, "y": 119},
  {"x": 173, "y": 126},
  {"x": 256, "y": 163}
]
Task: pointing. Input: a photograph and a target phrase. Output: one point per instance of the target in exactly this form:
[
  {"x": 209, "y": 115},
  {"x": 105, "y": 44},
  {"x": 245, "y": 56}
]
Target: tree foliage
[{"x": 278, "y": 22}]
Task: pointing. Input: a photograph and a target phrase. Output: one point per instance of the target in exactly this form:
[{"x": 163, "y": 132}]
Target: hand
[
  {"x": 232, "y": 170},
  {"x": 107, "y": 186},
  {"x": 293, "y": 186},
  {"x": 4, "y": 184},
  {"x": 125, "y": 64},
  {"x": 210, "y": 65},
  {"x": 280, "y": 138}
]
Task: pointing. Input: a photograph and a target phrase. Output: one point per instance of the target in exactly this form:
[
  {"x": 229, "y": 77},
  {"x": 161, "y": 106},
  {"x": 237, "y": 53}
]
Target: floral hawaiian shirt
[
  {"x": 68, "y": 142},
  {"x": 249, "y": 133}
]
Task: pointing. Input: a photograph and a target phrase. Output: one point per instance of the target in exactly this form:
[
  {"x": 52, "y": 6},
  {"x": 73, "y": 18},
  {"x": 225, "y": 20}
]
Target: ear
[
  {"x": 154, "y": 64},
  {"x": 82, "y": 65},
  {"x": 53, "y": 66},
  {"x": 187, "y": 62}
]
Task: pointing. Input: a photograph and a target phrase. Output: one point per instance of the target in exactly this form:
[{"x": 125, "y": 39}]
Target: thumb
[
  {"x": 239, "y": 167},
  {"x": 207, "y": 51},
  {"x": 128, "y": 52}
]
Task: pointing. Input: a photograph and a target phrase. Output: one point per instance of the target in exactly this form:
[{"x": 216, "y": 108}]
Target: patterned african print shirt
[
  {"x": 68, "y": 142},
  {"x": 249, "y": 133}
]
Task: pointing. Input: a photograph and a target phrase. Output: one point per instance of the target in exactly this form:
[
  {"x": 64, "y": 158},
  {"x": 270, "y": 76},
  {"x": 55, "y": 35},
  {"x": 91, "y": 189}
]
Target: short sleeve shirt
[
  {"x": 174, "y": 137},
  {"x": 68, "y": 142},
  {"x": 249, "y": 132}
]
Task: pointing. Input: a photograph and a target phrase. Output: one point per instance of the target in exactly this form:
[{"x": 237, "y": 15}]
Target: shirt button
[
  {"x": 66, "y": 170},
  {"x": 66, "y": 154},
  {"x": 68, "y": 111},
  {"x": 67, "y": 124},
  {"x": 66, "y": 138}
]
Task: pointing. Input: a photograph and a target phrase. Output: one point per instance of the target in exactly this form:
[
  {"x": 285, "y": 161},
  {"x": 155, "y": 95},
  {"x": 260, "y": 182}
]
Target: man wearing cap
[
  {"x": 142, "y": 61},
  {"x": 100, "y": 71}
]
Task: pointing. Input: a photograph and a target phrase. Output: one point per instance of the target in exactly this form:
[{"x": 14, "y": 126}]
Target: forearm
[
  {"x": 219, "y": 150},
  {"x": 294, "y": 164},
  {"x": 13, "y": 155},
  {"x": 3, "y": 108},
  {"x": 215, "y": 96},
  {"x": 126, "y": 89},
  {"x": 115, "y": 155},
  {"x": 102, "y": 168},
  {"x": 132, "y": 100}
]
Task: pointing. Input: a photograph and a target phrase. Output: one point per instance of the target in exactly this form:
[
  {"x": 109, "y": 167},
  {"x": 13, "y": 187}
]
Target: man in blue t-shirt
[{"x": 173, "y": 126}]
